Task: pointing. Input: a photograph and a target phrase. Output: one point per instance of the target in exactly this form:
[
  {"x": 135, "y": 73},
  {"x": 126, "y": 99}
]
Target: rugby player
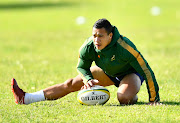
[{"x": 118, "y": 62}]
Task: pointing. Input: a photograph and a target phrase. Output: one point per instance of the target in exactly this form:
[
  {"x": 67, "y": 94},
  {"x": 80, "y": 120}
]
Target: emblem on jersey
[{"x": 113, "y": 58}]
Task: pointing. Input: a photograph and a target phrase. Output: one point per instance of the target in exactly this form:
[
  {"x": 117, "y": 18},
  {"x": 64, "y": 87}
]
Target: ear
[{"x": 111, "y": 35}]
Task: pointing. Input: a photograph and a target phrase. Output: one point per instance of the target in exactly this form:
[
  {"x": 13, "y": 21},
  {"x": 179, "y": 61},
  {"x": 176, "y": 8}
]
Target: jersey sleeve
[
  {"x": 137, "y": 61},
  {"x": 143, "y": 68},
  {"x": 84, "y": 63},
  {"x": 83, "y": 69}
]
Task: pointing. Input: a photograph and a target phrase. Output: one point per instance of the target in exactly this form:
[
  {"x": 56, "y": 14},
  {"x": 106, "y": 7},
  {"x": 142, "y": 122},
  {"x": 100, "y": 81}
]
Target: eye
[{"x": 100, "y": 35}]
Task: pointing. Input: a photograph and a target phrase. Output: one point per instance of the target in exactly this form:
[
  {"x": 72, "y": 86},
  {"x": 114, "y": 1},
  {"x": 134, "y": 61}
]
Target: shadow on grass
[
  {"x": 170, "y": 103},
  {"x": 30, "y": 5},
  {"x": 145, "y": 103},
  {"x": 163, "y": 103}
]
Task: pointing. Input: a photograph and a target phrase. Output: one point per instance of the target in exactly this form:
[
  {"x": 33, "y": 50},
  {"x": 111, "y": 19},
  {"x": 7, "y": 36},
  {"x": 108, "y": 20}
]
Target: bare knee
[
  {"x": 126, "y": 99},
  {"x": 68, "y": 85},
  {"x": 123, "y": 99},
  {"x": 73, "y": 84}
]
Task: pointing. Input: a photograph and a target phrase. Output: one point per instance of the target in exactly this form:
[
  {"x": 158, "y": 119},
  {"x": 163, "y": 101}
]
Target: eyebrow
[{"x": 98, "y": 34}]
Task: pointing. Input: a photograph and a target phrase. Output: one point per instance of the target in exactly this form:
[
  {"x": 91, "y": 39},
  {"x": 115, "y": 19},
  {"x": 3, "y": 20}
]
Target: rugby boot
[{"x": 17, "y": 92}]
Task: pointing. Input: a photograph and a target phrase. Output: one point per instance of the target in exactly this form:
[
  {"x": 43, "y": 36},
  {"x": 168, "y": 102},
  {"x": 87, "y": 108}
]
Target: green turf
[{"x": 39, "y": 43}]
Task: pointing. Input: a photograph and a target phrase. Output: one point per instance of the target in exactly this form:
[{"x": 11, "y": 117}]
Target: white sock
[{"x": 34, "y": 97}]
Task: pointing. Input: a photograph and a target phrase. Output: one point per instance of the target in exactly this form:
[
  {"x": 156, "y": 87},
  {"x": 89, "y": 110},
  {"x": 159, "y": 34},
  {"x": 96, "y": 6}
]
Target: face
[{"x": 101, "y": 38}]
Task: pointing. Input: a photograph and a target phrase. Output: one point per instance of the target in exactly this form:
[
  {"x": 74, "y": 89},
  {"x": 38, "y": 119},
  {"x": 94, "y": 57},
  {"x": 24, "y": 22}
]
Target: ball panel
[
  {"x": 89, "y": 90},
  {"x": 81, "y": 102},
  {"x": 93, "y": 96}
]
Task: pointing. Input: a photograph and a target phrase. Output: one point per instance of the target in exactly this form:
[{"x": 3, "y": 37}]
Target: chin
[{"x": 99, "y": 48}]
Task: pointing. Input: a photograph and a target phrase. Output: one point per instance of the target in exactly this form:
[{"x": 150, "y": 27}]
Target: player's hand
[
  {"x": 90, "y": 84},
  {"x": 154, "y": 103}
]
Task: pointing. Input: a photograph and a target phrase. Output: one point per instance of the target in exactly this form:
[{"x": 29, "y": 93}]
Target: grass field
[{"x": 39, "y": 43}]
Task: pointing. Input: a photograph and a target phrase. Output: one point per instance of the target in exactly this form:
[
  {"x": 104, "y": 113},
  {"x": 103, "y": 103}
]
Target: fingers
[
  {"x": 95, "y": 81},
  {"x": 82, "y": 87},
  {"x": 85, "y": 86},
  {"x": 90, "y": 84},
  {"x": 154, "y": 103}
]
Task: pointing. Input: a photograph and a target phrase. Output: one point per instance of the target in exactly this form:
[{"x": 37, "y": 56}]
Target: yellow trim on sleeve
[{"x": 143, "y": 66}]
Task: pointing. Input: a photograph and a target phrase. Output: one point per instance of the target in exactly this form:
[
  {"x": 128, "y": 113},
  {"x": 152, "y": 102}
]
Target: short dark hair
[{"x": 103, "y": 23}]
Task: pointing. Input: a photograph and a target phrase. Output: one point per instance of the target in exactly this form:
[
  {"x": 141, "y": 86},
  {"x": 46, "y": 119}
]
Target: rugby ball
[{"x": 93, "y": 96}]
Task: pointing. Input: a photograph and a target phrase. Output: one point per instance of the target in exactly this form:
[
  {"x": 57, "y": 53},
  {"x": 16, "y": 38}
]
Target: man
[{"x": 118, "y": 62}]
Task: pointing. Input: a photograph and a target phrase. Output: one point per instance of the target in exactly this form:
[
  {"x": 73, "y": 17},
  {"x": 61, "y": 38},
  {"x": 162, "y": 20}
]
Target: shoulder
[
  {"x": 87, "y": 47},
  {"x": 128, "y": 49},
  {"x": 128, "y": 42}
]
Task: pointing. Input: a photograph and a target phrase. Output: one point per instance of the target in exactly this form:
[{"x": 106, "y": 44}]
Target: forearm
[
  {"x": 85, "y": 74},
  {"x": 83, "y": 69}
]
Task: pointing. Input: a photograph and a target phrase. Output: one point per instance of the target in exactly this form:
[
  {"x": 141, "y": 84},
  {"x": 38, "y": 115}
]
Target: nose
[{"x": 97, "y": 39}]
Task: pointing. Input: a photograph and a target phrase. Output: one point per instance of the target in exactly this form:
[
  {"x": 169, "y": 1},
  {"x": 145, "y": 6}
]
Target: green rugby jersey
[{"x": 119, "y": 58}]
